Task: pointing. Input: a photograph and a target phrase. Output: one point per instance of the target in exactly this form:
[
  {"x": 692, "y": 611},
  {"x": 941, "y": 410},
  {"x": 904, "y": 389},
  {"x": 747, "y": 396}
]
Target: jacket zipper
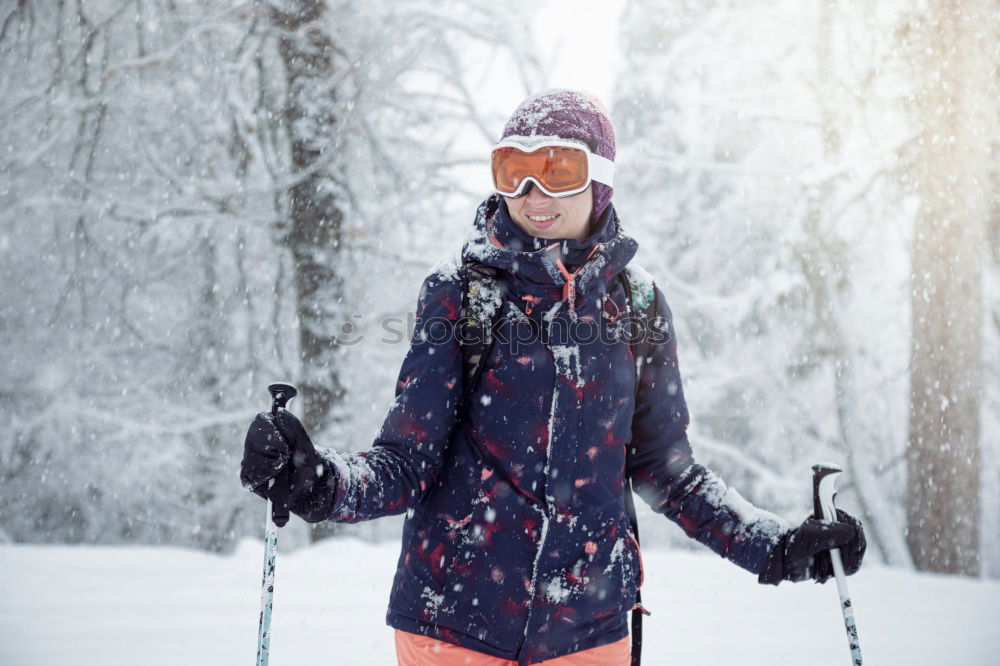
[{"x": 542, "y": 508}]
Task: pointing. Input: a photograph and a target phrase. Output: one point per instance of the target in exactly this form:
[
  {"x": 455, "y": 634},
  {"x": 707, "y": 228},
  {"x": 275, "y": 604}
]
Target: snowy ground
[{"x": 148, "y": 606}]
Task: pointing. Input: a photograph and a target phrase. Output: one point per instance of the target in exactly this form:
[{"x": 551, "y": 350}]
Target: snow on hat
[{"x": 568, "y": 114}]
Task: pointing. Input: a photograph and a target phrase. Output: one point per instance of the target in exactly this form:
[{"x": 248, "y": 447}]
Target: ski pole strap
[
  {"x": 642, "y": 306},
  {"x": 637, "y": 630},
  {"x": 637, "y": 609},
  {"x": 279, "y": 496}
]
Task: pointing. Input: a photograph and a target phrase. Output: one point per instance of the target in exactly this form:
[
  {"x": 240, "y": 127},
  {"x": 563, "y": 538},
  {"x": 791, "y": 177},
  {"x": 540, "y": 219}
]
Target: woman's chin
[{"x": 546, "y": 233}]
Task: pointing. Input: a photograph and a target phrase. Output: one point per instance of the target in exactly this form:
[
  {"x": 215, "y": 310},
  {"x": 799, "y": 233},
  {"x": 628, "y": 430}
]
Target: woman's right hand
[{"x": 265, "y": 454}]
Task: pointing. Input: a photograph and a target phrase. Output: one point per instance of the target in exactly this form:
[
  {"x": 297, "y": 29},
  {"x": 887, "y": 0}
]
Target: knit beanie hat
[{"x": 569, "y": 114}]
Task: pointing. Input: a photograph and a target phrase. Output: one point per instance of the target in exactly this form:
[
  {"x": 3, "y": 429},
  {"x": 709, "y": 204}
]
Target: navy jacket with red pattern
[{"x": 537, "y": 560}]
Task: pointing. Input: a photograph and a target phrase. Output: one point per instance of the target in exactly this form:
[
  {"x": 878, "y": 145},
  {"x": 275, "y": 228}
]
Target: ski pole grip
[
  {"x": 824, "y": 495},
  {"x": 280, "y": 395},
  {"x": 825, "y": 491}
]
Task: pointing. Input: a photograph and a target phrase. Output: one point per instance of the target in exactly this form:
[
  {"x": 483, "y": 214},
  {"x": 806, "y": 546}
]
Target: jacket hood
[{"x": 580, "y": 268}]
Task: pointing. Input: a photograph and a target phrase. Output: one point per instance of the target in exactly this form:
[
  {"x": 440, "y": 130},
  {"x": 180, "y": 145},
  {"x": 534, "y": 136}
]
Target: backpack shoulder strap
[
  {"x": 641, "y": 293},
  {"x": 481, "y": 306}
]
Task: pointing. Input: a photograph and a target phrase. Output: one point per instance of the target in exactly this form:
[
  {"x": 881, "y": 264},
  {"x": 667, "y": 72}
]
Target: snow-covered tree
[
  {"x": 958, "y": 109},
  {"x": 196, "y": 195},
  {"x": 767, "y": 167}
]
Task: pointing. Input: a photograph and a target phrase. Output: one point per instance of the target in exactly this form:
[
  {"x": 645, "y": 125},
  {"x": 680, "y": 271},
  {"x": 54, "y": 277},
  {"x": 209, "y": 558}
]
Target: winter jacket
[{"x": 537, "y": 561}]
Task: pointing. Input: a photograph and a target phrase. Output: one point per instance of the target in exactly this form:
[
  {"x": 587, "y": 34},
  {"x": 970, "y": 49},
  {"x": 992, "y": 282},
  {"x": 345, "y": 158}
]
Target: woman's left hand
[{"x": 804, "y": 552}]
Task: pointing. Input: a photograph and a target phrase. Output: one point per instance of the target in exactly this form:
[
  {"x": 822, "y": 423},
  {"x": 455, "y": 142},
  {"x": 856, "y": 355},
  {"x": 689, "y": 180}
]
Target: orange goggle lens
[{"x": 558, "y": 169}]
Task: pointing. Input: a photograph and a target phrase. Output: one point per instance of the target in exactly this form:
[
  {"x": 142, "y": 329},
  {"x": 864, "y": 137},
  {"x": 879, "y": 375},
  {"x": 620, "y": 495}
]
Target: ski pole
[
  {"x": 824, "y": 493},
  {"x": 277, "y": 516}
]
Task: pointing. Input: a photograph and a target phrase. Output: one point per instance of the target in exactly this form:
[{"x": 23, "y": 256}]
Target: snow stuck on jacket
[
  {"x": 591, "y": 269},
  {"x": 435, "y": 602},
  {"x": 446, "y": 269},
  {"x": 753, "y": 521},
  {"x": 558, "y": 589},
  {"x": 567, "y": 361},
  {"x": 485, "y": 299},
  {"x": 617, "y": 554}
]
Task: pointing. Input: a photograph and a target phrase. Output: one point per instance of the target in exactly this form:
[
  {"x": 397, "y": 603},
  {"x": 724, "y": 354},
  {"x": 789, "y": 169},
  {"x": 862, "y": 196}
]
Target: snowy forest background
[{"x": 200, "y": 197}]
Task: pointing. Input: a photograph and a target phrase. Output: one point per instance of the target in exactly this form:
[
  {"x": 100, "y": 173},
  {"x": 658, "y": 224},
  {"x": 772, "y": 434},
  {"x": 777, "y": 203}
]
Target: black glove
[
  {"x": 265, "y": 453},
  {"x": 274, "y": 442},
  {"x": 804, "y": 552},
  {"x": 313, "y": 479}
]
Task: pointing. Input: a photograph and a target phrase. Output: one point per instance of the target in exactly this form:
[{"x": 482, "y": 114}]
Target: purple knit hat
[{"x": 568, "y": 114}]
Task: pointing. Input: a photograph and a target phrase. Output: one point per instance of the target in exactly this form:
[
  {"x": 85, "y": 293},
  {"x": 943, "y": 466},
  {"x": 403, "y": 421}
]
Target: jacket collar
[{"x": 599, "y": 258}]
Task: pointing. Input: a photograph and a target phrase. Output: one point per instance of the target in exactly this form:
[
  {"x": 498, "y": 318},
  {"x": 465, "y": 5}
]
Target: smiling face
[{"x": 548, "y": 217}]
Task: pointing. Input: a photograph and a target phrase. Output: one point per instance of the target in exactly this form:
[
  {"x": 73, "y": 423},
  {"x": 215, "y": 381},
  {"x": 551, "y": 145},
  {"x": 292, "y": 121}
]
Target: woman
[{"x": 517, "y": 545}]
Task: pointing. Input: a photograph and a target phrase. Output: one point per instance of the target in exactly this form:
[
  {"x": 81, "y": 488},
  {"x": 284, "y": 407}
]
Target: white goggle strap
[{"x": 601, "y": 169}]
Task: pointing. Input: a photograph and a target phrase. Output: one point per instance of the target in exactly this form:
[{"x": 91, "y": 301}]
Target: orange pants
[{"x": 417, "y": 650}]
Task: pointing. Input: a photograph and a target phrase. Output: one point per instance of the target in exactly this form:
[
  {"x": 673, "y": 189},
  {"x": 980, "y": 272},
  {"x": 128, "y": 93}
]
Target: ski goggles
[{"x": 557, "y": 167}]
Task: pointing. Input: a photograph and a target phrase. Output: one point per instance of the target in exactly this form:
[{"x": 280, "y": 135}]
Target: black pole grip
[{"x": 280, "y": 395}]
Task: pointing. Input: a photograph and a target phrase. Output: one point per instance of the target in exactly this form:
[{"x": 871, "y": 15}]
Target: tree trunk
[
  {"x": 316, "y": 216},
  {"x": 307, "y": 52},
  {"x": 943, "y": 456},
  {"x": 207, "y": 351}
]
